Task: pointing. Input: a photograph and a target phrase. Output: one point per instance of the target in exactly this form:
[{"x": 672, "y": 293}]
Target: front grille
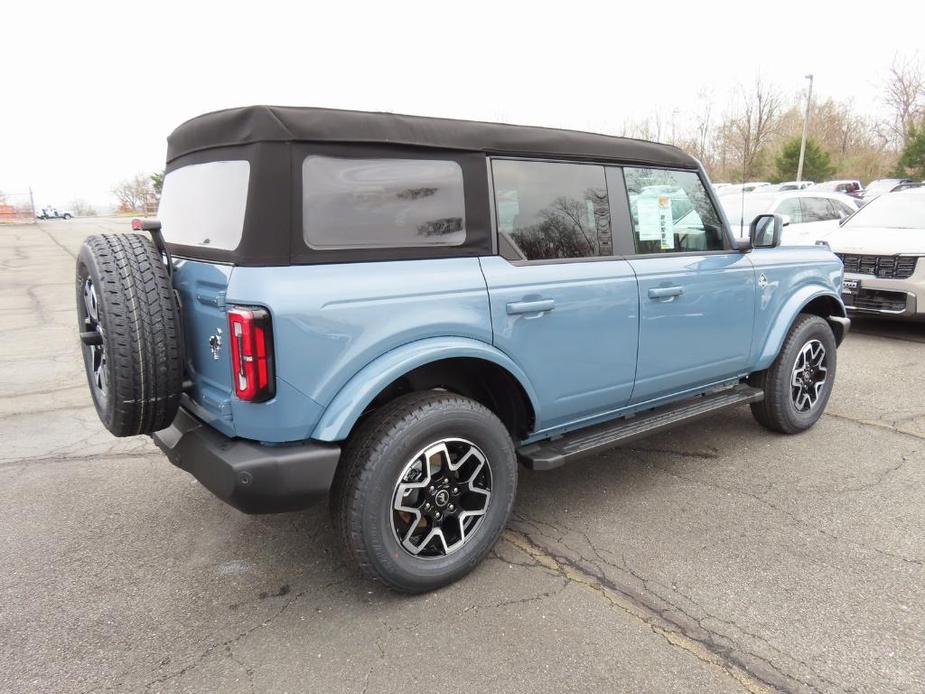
[
  {"x": 877, "y": 300},
  {"x": 891, "y": 267}
]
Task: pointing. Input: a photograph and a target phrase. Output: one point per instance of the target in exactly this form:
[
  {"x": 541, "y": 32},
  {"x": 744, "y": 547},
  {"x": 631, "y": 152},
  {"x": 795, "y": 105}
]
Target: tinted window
[
  {"x": 671, "y": 212},
  {"x": 817, "y": 210},
  {"x": 203, "y": 204},
  {"x": 791, "y": 208},
  {"x": 382, "y": 203},
  {"x": 548, "y": 210}
]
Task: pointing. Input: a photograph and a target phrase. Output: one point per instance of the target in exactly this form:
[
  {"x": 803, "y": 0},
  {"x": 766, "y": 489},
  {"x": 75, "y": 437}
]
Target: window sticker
[
  {"x": 508, "y": 209},
  {"x": 650, "y": 225},
  {"x": 666, "y": 223}
]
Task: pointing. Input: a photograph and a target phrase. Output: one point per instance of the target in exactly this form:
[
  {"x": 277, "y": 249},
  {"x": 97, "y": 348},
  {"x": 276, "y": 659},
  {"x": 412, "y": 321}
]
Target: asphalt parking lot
[{"x": 716, "y": 558}]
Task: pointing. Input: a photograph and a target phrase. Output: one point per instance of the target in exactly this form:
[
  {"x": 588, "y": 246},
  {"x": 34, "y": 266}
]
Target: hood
[{"x": 877, "y": 240}]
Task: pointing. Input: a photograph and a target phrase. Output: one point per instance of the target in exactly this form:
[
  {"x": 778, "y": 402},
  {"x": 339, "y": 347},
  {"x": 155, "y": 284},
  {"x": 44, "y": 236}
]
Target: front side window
[
  {"x": 549, "y": 210},
  {"x": 671, "y": 212},
  {"x": 203, "y": 204},
  {"x": 382, "y": 203},
  {"x": 791, "y": 208}
]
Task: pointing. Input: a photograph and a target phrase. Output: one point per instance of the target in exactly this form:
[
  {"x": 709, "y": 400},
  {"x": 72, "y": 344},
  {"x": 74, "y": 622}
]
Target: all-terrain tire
[
  {"x": 373, "y": 460},
  {"x": 135, "y": 372},
  {"x": 778, "y": 411}
]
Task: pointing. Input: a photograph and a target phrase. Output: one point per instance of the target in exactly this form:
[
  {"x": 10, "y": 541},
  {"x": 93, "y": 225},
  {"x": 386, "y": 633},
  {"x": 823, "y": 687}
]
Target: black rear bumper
[{"x": 253, "y": 478}]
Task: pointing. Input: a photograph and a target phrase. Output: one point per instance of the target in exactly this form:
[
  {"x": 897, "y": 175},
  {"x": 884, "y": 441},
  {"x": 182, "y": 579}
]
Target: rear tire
[
  {"x": 382, "y": 469},
  {"x": 798, "y": 384},
  {"x": 132, "y": 346}
]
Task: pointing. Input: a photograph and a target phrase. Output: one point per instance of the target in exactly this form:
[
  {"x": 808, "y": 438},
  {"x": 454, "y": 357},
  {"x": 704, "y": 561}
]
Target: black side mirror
[{"x": 765, "y": 231}]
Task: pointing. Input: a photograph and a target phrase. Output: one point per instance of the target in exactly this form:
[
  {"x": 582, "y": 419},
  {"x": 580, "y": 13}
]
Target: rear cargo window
[
  {"x": 382, "y": 203},
  {"x": 203, "y": 204}
]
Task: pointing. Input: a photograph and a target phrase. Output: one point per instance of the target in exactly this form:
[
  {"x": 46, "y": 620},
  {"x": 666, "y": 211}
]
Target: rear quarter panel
[
  {"x": 330, "y": 321},
  {"x": 793, "y": 276}
]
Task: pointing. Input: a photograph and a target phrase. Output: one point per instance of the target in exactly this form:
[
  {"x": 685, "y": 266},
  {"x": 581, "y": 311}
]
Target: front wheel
[
  {"x": 424, "y": 490},
  {"x": 798, "y": 384}
]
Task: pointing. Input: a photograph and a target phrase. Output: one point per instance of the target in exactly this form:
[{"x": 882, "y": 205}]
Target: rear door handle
[
  {"x": 538, "y": 306},
  {"x": 665, "y": 292}
]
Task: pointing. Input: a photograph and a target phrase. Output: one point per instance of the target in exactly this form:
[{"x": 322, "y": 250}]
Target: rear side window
[
  {"x": 549, "y": 210},
  {"x": 817, "y": 210},
  {"x": 382, "y": 203},
  {"x": 203, "y": 204},
  {"x": 671, "y": 212}
]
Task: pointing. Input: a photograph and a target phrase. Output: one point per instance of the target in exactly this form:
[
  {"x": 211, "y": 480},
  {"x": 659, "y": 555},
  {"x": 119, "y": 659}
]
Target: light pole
[{"x": 809, "y": 100}]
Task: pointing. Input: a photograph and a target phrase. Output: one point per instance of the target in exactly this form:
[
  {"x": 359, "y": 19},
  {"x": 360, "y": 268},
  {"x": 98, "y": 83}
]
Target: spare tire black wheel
[{"x": 130, "y": 332}]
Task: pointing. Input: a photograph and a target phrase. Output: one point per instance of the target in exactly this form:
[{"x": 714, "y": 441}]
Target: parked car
[
  {"x": 881, "y": 186},
  {"x": 755, "y": 186},
  {"x": 882, "y": 247},
  {"x": 795, "y": 185},
  {"x": 850, "y": 187},
  {"x": 54, "y": 213},
  {"x": 808, "y": 216},
  {"x": 392, "y": 311}
]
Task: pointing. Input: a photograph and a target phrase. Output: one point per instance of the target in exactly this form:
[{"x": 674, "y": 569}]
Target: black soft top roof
[{"x": 251, "y": 124}]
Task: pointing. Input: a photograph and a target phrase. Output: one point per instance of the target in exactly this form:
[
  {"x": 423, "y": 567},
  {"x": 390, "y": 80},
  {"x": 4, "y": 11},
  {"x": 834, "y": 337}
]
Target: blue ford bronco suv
[{"x": 394, "y": 312}]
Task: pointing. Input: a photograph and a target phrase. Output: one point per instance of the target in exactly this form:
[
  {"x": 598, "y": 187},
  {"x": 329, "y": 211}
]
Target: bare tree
[
  {"x": 904, "y": 93},
  {"x": 134, "y": 193},
  {"x": 755, "y": 124},
  {"x": 82, "y": 208}
]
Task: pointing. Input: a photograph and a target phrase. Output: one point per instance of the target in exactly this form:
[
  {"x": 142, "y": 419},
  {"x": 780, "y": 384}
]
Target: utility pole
[
  {"x": 809, "y": 100},
  {"x": 32, "y": 204}
]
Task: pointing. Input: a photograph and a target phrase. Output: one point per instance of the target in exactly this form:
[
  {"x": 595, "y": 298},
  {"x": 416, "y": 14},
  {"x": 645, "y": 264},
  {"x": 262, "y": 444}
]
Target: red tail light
[{"x": 251, "y": 353}]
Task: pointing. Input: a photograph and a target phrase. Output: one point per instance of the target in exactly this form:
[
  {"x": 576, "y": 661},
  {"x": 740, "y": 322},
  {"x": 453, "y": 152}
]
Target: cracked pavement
[{"x": 717, "y": 557}]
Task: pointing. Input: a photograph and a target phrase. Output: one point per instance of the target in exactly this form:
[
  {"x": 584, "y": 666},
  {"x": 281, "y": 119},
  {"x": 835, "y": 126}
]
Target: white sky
[{"x": 90, "y": 90}]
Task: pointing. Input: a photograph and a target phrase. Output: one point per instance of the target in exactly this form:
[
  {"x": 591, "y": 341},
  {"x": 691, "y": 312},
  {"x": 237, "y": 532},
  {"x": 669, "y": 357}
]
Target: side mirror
[
  {"x": 765, "y": 231},
  {"x": 785, "y": 220}
]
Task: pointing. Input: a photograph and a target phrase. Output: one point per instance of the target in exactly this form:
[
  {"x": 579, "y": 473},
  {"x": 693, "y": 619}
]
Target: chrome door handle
[
  {"x": 538, "y": 306},
  {"x": 665, "y": 292}
]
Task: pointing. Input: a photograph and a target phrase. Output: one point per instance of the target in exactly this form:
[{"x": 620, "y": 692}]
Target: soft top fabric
[{"x": 253, "y": 124}]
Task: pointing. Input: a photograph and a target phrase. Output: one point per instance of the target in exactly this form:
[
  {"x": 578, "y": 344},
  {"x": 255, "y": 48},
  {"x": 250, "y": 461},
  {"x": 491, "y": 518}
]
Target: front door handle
[
  {"x": 538, "y": 306},
  {"x": 665, "y": 292}
]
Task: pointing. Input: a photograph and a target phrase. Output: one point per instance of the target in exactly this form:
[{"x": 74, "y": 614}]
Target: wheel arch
[
  {"x": 815, "y": 300},
  {"x": 463, "y": 365}
]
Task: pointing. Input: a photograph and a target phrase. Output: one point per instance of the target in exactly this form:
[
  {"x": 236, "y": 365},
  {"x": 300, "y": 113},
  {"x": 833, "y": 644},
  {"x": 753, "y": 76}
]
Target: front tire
[
  {"x": 798, "y": 384},
  {"x": 424, "y": 489}
]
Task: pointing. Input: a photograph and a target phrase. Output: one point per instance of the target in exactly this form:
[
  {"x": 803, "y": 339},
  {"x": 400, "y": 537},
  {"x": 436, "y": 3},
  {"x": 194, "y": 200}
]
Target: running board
[{"x": 546, "y": 455}]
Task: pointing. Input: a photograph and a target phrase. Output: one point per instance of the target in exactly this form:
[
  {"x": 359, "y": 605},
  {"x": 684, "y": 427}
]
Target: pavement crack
[
  {"x": 792, "y": 516},
  {"x": 875, "y": 425},
  {"x": 701, "y": 455},
  {"x": 703, "y": 648},
  {"x": 26, "y": 462}
]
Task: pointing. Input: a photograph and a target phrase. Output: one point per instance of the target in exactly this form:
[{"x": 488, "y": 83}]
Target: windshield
[
  {"x": 893, "y": 210},
  {"x": 883, "y": 185},
  {"x": 751, "y": 204}
]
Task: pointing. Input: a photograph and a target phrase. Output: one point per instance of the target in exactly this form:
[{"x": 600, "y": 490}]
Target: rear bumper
[{"x": 251, "y": 477}]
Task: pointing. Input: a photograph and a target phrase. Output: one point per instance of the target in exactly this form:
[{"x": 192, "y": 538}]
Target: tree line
[{"x": 758, "y": 136}]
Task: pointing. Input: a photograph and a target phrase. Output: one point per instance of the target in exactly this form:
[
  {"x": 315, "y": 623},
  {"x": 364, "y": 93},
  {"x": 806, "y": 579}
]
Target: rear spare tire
[{"x": 130, "y": 333}]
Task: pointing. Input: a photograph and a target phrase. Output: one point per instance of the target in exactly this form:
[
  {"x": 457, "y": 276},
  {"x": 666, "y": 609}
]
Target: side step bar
[{"x": 546, "y": 455}]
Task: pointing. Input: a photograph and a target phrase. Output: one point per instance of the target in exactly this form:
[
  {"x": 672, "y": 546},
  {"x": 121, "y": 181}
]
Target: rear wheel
[
  {"x": 130, "y": 333},
  {"x": 424, "y": 489},
  {"x": 798, "y": 384}
]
